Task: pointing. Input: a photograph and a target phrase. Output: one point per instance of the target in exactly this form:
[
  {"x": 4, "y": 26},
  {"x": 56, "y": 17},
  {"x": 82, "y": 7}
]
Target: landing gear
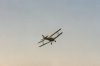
[
  {"x": 51, "y": 43},
  {"x": 55, "y": 41}
]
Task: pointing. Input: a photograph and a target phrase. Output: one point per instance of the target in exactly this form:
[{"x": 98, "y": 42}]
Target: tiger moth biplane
[{"x": 50, "y": 38}]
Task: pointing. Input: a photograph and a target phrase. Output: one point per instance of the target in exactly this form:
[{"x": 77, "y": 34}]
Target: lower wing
[
  {"x": 58, "y": 35},
  {"x": 44, "y": 44},
  {"x": 41, "y": 41}
]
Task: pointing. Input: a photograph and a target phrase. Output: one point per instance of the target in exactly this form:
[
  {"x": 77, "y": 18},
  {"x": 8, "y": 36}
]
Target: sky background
[{"x": 22, "y": 22}]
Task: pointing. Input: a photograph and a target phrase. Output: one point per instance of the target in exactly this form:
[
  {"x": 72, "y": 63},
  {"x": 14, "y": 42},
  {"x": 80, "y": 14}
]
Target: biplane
[{"x": 50, "y": 38}]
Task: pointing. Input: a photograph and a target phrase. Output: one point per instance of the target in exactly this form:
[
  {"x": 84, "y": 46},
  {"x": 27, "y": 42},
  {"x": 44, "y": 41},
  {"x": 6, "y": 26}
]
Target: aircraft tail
[{"x": 43, "y": 36}]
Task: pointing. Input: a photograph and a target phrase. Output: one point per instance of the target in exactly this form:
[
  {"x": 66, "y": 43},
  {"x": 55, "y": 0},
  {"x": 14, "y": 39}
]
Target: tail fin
[{"x": 43, "y": 36}]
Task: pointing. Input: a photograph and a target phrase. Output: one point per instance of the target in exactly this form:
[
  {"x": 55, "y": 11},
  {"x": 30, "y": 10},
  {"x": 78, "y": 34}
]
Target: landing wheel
[{"x": 51, "y": 43}]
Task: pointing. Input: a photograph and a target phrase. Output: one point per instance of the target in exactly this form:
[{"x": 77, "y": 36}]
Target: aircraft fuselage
[{"x": 50, "y": 39}]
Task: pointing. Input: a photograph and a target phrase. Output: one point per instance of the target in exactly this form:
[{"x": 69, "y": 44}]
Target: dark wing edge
[
  {"x": 44, "y": 44},
  {"x": 41, "y": 41},
  {"x": 55, "y": 32},
  {"x": 58, "y": 35}
]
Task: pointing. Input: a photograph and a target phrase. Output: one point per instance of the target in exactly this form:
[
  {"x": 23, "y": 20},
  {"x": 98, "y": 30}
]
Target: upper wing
[
  {"x": 58, "y": 35},
  {"x": 55, "y": 32},
  {"x": 44, "y": 44},
  {"x": 41, "y": 41}
]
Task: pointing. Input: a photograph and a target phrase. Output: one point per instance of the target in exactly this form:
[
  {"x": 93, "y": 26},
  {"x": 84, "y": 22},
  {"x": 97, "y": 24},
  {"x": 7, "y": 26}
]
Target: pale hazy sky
[{"x": 22, "y": 22}]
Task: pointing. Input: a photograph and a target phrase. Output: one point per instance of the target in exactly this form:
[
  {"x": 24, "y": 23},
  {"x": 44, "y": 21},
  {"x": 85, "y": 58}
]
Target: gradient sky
[{"x": 22, "y": 22}]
